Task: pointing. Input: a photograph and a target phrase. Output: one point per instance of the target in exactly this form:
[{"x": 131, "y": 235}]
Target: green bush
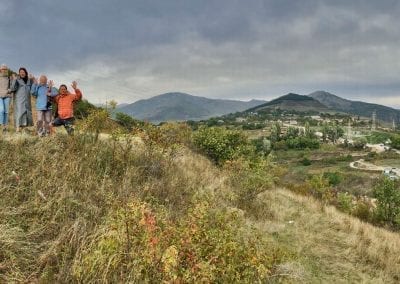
[
  {"x": 320, "y": 188},
  {"x": 333, "y": 178},
  {"x": 248, "y": 179},
  {"x": 83, "y": 108},
  {"x": 221, "y": 144},
  {"x": 301, "y": 143},
  {"x": 344, "y": 202},
  {"x": 127, "y": 121},
  {"x": 387, "y": 193},
  {"x": 305, "y": 162}
]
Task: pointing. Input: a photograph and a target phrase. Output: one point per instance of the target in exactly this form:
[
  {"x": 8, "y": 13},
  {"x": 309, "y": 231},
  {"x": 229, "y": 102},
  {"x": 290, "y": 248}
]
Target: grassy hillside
[{"x": 73, "y": 209}]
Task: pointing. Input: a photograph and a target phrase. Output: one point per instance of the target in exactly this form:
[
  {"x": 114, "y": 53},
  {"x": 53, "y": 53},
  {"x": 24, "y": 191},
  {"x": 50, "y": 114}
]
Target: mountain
[
  {"x": 292, "y": 102},
  {"x": 180, "y": 106},
  {"x": 383, "y": 113}
]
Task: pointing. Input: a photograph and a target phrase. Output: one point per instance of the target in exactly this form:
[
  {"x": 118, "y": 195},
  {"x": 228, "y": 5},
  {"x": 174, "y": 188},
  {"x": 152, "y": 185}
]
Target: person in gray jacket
[
  {"x": 21, "y": 85},
  {"x": 5, "y": 96}
]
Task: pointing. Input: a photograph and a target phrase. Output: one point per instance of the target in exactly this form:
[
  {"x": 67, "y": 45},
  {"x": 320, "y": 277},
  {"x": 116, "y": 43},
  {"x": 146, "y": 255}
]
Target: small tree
[
  {"x": 221, "y": 144},
  {"x": 387, "y": 193},
  {"x": 126, "y": 121}
]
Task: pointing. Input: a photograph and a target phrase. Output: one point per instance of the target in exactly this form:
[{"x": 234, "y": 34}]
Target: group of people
[{"x": 21, "y": 87}]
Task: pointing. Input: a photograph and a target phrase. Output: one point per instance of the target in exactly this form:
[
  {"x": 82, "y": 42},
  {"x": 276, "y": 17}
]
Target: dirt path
[{"x": 362, "y": 165}]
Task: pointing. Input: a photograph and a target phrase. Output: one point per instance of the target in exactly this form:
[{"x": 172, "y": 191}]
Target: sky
[{"x": 126, "y": 50}]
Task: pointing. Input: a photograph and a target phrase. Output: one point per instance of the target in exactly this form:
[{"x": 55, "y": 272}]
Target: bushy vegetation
[
  {"x": 387, "y": 193},
  {"x": 126, "y": 212},
  {"x": 221, "y": 144}
]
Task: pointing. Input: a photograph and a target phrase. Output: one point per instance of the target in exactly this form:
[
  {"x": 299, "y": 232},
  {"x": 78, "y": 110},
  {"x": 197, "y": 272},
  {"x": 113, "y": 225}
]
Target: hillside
[
  {"x": 293, "y": 102},
  {"x": 181, "y": 107},
  {"x": 153, "y": 213},
  {"x": 384, "y": 113}
]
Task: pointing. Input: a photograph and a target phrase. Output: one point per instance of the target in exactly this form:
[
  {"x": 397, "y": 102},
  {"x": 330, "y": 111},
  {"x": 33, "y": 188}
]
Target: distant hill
[
  {"x": 383, "y": 113},
  {"x": 180, "y": 107},
  {"x": 293, "y": 102}
]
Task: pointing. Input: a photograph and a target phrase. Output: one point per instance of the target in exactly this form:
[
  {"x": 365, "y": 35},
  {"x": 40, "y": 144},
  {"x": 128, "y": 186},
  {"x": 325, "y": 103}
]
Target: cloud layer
[{"x": 130, "y": 50}]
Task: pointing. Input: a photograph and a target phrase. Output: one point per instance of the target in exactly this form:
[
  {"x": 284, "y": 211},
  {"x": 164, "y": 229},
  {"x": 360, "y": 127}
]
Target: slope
[
  {"x": 114, "y": 212},
  {"x": 293, "y": 102},
  {"x": 384, "y": 113},
  {"x": 181, "y": 107}
]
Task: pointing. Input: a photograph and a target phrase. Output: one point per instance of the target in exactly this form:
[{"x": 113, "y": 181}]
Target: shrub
[
  {"x": 142, "y": 244},
  {"x": 221, "y": 144},
  {"x": 248, "y": 179},
  {"x": 83, "y": 108},
  {"x": 362, "y": 210},
  {"x": 387, "y": 193},
  {"x": 333, "y": 178},
  {"x": 320, "y": 188},
  {"x": 127, "y": 121},
  {"x": 344, "y": 202},
  {"x": 305, "y": 162},
  {"x": 359, "y": 143},
  {"x": 97, "y": 121},
  {"x": 300, "y": 143}
]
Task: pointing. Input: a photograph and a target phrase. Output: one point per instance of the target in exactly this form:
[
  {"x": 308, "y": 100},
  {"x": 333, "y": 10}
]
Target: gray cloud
[{"x": 129, "y": 50}]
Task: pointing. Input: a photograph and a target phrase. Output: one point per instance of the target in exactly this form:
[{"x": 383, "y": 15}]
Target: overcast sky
[{"x": 128, "y": 50}]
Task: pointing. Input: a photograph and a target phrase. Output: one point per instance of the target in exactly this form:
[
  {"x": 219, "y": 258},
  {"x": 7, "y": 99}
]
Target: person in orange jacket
[{"x": 65, "y": 107}]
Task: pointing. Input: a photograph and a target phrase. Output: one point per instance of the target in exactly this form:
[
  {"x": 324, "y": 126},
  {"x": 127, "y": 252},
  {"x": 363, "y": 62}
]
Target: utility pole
[
  {"x": 349, "y": 134},
  {"x": 373, "y": 127}
]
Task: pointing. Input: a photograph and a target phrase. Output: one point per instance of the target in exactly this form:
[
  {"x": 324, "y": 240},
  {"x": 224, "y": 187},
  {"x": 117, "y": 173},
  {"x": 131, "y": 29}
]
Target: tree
[
  {"x": 360, "y": 143},
  {"x": 275, "y": 132},
  {"x": 395, "y": 141},
  {"x": 83, "y": 108},
  {"x": 387, "y": 193},
  {"x": 307, "y": 131},
  {"x": 221, "y": 144},
  {"x": 292, "y": 132},
  {"x": 126, "y": 121}
]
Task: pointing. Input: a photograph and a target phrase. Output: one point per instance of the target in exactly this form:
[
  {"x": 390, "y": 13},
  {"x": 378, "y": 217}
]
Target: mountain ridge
[
  {"x": 292, "y": 101},
  {"x": 334, "y": 102},
  {"x": 176, "y": 106}
]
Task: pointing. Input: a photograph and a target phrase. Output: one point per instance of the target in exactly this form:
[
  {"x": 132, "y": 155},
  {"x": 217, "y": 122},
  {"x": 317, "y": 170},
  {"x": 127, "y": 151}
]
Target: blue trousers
[{"x": 4, "y": 107}]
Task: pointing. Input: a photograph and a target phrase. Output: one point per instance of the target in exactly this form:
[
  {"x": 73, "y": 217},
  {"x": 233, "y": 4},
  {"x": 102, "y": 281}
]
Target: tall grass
[{"x": 74, "y": 209}]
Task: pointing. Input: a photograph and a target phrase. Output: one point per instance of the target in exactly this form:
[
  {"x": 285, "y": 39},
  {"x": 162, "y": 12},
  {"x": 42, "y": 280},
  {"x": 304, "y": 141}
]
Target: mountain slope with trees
[
  {"x": 180, "y": 107},
  {"x": 383, "y": 113}
]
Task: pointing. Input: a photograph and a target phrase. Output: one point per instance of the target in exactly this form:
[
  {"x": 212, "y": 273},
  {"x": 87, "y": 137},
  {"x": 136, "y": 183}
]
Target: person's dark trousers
[{"x": 67, "y": 123}]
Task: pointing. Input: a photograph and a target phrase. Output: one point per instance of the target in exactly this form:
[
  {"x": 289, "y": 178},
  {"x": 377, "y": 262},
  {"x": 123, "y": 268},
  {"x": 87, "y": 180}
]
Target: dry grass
[
  {"x": 63, "y": 202},
  {"x": 333, "y": 247}
]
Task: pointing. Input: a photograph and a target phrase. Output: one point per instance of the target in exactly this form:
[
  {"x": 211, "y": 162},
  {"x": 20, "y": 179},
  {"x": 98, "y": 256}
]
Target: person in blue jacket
[{"x": 43, "y": 92}]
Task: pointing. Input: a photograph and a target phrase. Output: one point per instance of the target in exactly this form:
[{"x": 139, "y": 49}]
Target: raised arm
[
  {"x": 78, "y": 93},
  {"x": 34, "y": 88},
  {"x": 53, "y": 91}
]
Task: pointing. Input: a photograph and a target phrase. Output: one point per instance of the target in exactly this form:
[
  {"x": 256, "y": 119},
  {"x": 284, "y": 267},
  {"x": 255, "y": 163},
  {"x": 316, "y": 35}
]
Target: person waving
[{"x": 65, "y": 107}]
